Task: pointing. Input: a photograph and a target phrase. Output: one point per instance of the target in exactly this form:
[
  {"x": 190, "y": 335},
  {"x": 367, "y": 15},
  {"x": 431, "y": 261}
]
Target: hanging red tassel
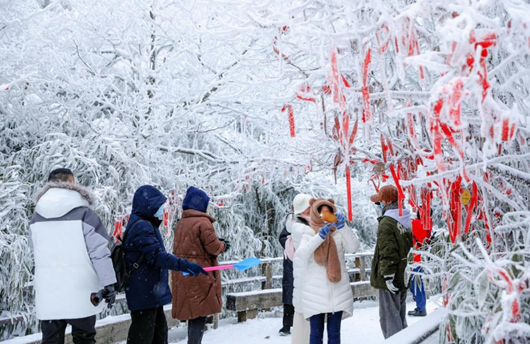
[
  {"x": 390, "y": 147},
  {"x": 166, "y": 218},
  {"x": 454, "y": 99},
  {"x": 275, "y": 44},
  {"x": 365, "y": 91},
  {"x": 289, "y": 109},
  {"x": 508, "y": 129},
  {"x": 471, "y": 207},
  {"x": 345, "y": 82},
  {"x": 376, "y": 186},
  {"x": 401, "y": 195},
  {"x": 348, "y": 190},
  {"x": 334, "y": 80},
  {"x": 425, "y": 213},
  {"x": 384, "y": 148},
  {"x": 454, "y": 220},
  {"x": 437, "y": 135},
  {"x": 118, "y": 229}
]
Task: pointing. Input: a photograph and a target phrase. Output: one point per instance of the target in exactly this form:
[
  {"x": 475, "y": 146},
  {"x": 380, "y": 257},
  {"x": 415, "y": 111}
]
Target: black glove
[
  {"x": 227, "y": 243},
  {"x": 195, "y": 269},
  {"x": 109, "y": 294},
  {"x": 96, "y": 298}
]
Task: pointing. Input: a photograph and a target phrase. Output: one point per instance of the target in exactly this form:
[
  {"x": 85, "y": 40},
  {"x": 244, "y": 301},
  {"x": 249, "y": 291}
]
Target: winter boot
[
  {"x": 285, "y": 331},
  {"x": 417, "y": 313}
]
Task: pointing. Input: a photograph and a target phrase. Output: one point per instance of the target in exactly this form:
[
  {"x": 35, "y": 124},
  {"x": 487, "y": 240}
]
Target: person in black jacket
[
  {"x": 287, "y": 288},
  {"x": 148, "y": 291}
]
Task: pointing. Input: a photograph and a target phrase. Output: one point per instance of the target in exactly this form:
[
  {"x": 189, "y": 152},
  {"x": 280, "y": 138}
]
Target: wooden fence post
[
  {"x": 266, "y": 270},
  {"x": 360, "y": 263}
]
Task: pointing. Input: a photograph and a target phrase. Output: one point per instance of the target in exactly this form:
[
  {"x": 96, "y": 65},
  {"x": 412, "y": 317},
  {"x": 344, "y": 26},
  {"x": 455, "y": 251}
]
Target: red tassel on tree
[
  {"x": 348, "y": 190},
  {"x": 401, "y": 195},
  {"x": 289, "y": 109},
  {"x": 472, "y": 205},
  {"x": 454, "y": 220},
  {"x": 118, "y": 228},
  {"x": 365, "y": 91}
]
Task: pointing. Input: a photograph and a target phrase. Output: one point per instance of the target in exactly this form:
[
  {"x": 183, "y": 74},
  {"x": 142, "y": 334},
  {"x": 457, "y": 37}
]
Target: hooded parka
[
  {"x": 148, "y": 286},
  {"x": 72, "y": 259},
  {"x": 196, "y": 240}
]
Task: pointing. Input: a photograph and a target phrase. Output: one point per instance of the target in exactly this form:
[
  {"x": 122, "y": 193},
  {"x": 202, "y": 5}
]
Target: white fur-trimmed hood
[{"x": 57, "y": 199}]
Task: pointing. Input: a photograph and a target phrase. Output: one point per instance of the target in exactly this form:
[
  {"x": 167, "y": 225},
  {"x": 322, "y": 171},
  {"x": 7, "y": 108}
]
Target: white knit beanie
[{"x": 301, "y": 203}]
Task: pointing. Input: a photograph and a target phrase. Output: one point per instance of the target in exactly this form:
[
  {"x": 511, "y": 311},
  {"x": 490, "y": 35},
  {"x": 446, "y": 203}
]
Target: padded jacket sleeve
[
  {"x": 146, "y": 241},
  {"x": 97, "y": 241},
  {"x": 308, "y": 245},
  {"x": 283, "y": 237},
  {"x": 350, "y": 240},
  {"x": 209, "y": 239}
]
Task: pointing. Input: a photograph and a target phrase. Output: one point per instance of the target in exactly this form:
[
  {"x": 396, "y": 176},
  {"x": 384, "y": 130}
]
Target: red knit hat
[{"x": 388, "y": 193}]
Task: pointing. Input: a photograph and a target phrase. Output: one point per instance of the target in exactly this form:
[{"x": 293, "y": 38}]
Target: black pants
[
  {"x": 196, "y": 330},
  {"x": 83, "y": 330},
  {"x": 288, "y": 315},
  {"x": 148, "y": 326}
]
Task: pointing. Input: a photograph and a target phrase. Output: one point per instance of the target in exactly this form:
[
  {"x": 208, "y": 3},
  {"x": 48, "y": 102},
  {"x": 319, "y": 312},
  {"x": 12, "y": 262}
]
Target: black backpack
[{"x": 117, "y": 254}]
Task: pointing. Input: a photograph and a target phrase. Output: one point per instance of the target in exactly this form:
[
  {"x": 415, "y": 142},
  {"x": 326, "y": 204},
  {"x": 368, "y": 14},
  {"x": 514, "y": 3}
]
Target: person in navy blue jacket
[
  {"x": 148, "y": 290},
  {"x": 287, "y": 288}
]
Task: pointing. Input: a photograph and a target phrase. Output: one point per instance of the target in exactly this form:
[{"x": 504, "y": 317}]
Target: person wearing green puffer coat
[{"x": 394, "y": 242}]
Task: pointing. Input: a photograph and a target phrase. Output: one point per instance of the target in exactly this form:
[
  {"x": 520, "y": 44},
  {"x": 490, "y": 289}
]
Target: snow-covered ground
[{"x": 362, "y": 327}]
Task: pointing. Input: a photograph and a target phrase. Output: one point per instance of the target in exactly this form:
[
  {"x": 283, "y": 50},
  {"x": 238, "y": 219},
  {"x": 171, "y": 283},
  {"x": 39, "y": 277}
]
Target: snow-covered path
[{"x": 362, "y": 327}]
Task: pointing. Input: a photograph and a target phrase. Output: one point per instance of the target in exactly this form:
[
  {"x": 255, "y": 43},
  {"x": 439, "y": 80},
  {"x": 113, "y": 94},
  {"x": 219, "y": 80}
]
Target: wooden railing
[
  {"x": 248, "y": 304},
  {"x": 267, "y": 277}
]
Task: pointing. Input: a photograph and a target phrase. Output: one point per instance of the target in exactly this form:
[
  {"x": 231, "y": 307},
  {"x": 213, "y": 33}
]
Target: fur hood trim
[{"x": 87, "y": 195}]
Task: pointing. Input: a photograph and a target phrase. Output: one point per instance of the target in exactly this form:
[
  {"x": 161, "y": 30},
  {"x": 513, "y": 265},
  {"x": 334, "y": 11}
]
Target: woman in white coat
[
  {"x": 295, "y": 225},
  {"x": 321, "y": 282}
]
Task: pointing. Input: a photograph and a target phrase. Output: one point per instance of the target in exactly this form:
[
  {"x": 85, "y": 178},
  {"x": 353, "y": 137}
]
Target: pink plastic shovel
[{"x": 241, "y": 266}]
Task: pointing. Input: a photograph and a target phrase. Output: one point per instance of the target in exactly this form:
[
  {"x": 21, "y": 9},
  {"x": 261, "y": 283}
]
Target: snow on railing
[
  {"x": 421, "y": 331},
  {"x": 267, "y": 276}
]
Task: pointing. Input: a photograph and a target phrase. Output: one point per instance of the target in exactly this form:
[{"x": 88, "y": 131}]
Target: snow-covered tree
[{"x": 255, "y": 101}]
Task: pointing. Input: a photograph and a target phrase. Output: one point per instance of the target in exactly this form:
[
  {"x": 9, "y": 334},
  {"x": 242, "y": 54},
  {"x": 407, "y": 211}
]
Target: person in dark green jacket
[{"x": 394, "y": 242}]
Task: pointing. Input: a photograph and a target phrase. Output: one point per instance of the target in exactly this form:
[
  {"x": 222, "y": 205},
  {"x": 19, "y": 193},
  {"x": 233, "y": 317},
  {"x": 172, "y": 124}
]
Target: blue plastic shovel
[{"x": 241, "y": 266}]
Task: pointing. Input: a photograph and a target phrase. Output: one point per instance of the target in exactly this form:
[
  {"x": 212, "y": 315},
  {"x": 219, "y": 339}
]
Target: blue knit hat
[{"x": 195, "y": 199}]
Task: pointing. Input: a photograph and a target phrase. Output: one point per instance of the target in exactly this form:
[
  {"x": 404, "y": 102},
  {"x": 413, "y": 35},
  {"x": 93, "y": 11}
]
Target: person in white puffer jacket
[
  {"x": 321, "y": 282},
  {"x": 295, "y": 224},
  {"x": 72, "y": 260}
]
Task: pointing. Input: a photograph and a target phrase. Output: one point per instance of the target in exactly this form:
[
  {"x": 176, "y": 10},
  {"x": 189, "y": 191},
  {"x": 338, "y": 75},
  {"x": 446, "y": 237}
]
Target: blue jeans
[
  {"x": 317, "y": 328},
  {"x": 418, "y": 290}
]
